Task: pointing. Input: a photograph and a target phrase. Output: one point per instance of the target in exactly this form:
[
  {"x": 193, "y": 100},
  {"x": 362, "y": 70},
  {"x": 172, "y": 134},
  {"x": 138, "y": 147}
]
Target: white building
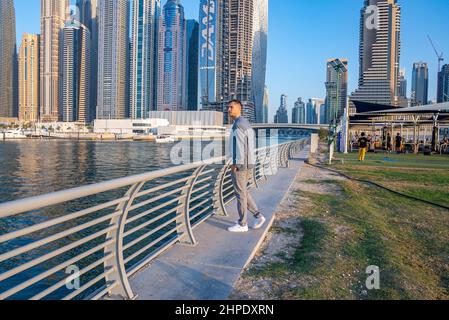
[{"x": 129, "y": 126}]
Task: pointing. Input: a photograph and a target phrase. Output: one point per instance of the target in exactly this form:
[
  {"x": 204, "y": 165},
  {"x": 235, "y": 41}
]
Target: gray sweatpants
[{"x": 245, "y": 202}]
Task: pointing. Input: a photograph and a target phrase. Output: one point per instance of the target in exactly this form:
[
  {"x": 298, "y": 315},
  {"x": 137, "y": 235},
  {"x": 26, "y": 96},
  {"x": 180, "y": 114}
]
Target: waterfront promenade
[{"x": 209, "y": 270}]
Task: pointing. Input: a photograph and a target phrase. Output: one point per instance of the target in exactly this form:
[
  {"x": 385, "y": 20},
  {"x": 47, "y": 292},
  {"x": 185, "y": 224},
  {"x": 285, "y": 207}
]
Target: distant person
[
  {"x": 389, "y": 144},
  {"x": 243, "y": 162},
  {"x": 398, "y": 143},
  {"x": 363, "y": 146},
  {"x": 370, "y": 143}
]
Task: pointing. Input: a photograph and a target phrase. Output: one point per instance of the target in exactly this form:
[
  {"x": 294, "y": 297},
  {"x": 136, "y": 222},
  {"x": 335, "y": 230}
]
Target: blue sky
[{"x": 303, "y": 34}]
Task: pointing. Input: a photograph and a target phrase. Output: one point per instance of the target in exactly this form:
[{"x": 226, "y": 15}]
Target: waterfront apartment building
[
  {"x": 8, "y": 60},
  {"x": 171, "y": 58},
  {"x": 443, "y": 84},
  {"x": 29, "y": 78},
  {"x": 259, "y": 59},
  {"x": 282, "y": 113},
  {"x": 336, "y": 90},
  {"x": 380, "y": 48},
  {"x": 54, "y": 14},
  {"x": 191, "y": 65},
  {"x": 113, "y": 59},
  {"x": 299, "y": 112},
  {"x": 75, "y": 67},
  {"x": 88, "y": 16},
  {"x": 143, "y": 57},
  {"x": 420, "y": 84}
]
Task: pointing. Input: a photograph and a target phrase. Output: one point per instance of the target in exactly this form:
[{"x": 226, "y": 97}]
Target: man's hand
[{"x": 234, "y": 168}]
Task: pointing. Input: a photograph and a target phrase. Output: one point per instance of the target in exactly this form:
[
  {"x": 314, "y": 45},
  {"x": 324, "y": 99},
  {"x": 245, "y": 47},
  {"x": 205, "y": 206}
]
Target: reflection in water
[{"x": 34, "y": 167}]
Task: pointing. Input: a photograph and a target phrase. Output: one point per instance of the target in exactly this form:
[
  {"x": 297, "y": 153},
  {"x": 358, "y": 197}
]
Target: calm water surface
[{"x": 34, "y": 167}]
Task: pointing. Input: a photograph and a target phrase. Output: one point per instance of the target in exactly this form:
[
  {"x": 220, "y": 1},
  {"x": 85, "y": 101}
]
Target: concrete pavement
[{"x": 210, "y": 270}]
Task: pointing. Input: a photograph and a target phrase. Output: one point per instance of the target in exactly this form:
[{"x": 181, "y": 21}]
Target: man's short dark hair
[
  {"x": 363, "y": 134},
  {"x": 235, "y": 101}
]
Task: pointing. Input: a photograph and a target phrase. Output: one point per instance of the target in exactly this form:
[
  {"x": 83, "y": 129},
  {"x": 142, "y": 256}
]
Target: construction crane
[{"x": 440, "y": 56}]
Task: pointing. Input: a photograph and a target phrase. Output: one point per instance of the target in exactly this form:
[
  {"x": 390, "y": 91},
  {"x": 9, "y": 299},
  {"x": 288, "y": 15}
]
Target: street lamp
[{"x": 340, "y": 69}]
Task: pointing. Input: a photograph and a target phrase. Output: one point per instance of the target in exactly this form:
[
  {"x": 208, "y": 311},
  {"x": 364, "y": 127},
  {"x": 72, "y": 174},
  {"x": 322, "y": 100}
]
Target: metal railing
[{"x": 91, "y": 252}]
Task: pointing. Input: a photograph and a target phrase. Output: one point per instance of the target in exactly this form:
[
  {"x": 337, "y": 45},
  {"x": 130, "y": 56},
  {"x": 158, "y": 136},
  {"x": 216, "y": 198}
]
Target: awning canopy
[
  {"x": 370, "y": 112},
  {"x": 431, "y": 108}
]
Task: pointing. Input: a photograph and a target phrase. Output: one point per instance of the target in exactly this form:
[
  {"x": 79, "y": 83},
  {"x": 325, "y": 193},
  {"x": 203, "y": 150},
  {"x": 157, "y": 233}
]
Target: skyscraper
[
  {"x": 282, "y": 113},
  {"x": 336, "y": 91},
  {"x": 171, "y": 58},
  {"x": 420, "y": 84},
  {"x": 443, "y": 84},
  {"x": 299, "y": 112},
  {"x": 380, "y": 47},
  {"x": 237, "y": 53},
  {"x": 113, "y": 59},
  {"x": 29, "y": 78},
  {"x": 8, "y": 59},
  {"x": 402, "y": 84},
  {"x": 143, "y": 63},
  {"x": 323, "y": 114},
  {"x": 75, "y": 67},
  {"x": 259, "y": 60},
  {"x": 209, "y": 51},
  {"x": 54, "y": 13},
  {"x": 191, "y": 67},
  {"x": 87, "y": 11},
  {"x": 313, "y": 110},
  {"x": 233, "y": 44},
  {"x": 266, "y": 105}
]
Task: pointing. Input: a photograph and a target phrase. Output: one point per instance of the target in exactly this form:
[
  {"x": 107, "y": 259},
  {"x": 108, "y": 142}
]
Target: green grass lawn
[
  {"x": 344, "y": 232},
  {"x": 360, "y": 226},
  {"x": 426, "y": 177}
]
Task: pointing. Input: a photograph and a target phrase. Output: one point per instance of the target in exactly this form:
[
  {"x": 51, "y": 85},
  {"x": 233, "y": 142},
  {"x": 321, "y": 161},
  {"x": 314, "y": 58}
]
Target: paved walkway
[{"x": 210, "y": 270}]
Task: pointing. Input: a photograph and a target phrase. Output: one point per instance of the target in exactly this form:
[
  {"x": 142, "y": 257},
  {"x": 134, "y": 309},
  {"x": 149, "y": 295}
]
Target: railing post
[
  {"x": 286, "y": 155},
  {"x": 183, "y": 214},
  {"x": 264, "y": 164},
  {"x": 256, "y": 183},
  {"x": 116, "y": 248},
  {"x": 274, "y": 160},
  {"x": 219, "y": 204}
]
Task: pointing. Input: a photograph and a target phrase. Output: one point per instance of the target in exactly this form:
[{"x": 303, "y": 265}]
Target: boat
[
  {"x": 125, "y": 136},
  {"x": 13, "y": 134},
  {"x": 165, "y": 139},
  {"x": 144, "y": 137}
]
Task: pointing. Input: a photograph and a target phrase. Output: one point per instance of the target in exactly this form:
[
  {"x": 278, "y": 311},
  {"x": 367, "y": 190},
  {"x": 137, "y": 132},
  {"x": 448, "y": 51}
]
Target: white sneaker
[
  {"x": 238, "y": 228},
  {"x": 258, "y": 223}
]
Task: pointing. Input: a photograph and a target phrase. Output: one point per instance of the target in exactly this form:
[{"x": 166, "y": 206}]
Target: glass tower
[
  {"x": 8, "y": 54},
  {"x": 443, "y": 84},
  {"x": 259, "y": 59},
  {"x": 191, "y": 67},
  {"x": 113, "y": 59},
  {"x": 143, "y": 62},
  {"x": 75, "y": 67},
  {"x": 171, "y": 58},
  {"x": 420, "y": 84}
]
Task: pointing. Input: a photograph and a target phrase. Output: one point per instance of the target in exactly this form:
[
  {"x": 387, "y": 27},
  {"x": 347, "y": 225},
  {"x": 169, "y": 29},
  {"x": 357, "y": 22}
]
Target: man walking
[{"x": 242, "y": 151}]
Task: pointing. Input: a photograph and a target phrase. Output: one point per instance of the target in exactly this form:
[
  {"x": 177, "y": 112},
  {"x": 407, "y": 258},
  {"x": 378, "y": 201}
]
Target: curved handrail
[{"x": 151, "y": 217}]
